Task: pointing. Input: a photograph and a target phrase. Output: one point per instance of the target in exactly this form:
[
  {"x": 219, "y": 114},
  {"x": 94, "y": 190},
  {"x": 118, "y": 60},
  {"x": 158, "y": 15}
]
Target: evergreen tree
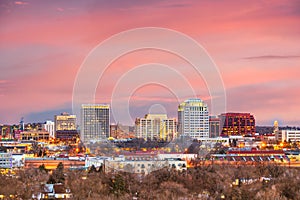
[
  {"x": 92, "y": 169},
  {"x": 58, "y": 174},
  {"x": 42, "y": 168}
]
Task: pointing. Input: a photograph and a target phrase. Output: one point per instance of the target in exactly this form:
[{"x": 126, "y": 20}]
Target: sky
[{"x": 253, "y": 44}]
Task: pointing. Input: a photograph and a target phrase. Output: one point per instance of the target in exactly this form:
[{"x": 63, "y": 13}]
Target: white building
[
  {"x": 49, "y": 126},
  {"x": 5, "y": 160},
  {"x": 193, "y": 119},
  {"x": 157, "y": 126},
  {"x": 293, "y": 135},
  {"x": 18, "y": 160},
  {"x": 135, "y": 163},
  {"x": 53, "y": 191},
  {"x": 182, "y": 156},
  {"x": 143, "y": 166},
  {"x": 96, "y": 161},
  {"x": 223, "y": 140}
]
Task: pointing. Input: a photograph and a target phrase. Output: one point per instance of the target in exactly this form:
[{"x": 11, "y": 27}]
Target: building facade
[
  {"x": 136, "y": 164},
  {"x": 155, "y": 126},
  {"x": 214, "y": 127},
  {"x": 35, "y": 135},
  {"x": 276, "y": 132},
  {"x": 7, "y": 131},
  {"x": 237, "y": 124},
  {"x": 94, "y": 122},
  {"x": 65, "y": 121},
  {"x": 144, "y": 166},
  {"x": 290, "y": 135},
  {"x": 193, "y": 119},
  {"x": 49, "y": 126},
  {"x": 67, "y": 135},
  {"x": 119, "y": 131},
  {"x": 5, "y": 160}
]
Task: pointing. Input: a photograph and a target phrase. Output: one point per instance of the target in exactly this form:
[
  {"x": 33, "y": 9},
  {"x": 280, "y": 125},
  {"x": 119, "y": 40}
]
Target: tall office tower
[
  {"x": 65, "y": 121},
  {"x": 94, "y": 122},
  {"x": 49, "y": 126},
  {"x": 193, "y": 119},
  {"x": 237, "y": 124},
  {"x": 214, "y": 127},
  {"x": 155, "y": 126}
]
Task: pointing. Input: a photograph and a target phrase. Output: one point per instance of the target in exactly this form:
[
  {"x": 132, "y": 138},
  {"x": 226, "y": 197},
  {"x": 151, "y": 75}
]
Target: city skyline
[{"x": 253, "y": 44}]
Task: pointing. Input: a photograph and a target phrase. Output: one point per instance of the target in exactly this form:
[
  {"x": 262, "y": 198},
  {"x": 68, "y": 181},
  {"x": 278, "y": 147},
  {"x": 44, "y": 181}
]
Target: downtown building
[
  {"x": 237, "y": 124},
  {"x": 35, "y": 135},
  {"x": 289, "y": 135},
  {"x": 214, "y": 127},
  {"x": 156, "y": 126},
  {"x": 49, "y": 126},
  {"x": 65, "y": 127},
  {"x": 65, "y": 121},
  {"x": 94, "y": 122},
  {"x": 119, "y": 131},
  {"x": 193, "y": 119}
]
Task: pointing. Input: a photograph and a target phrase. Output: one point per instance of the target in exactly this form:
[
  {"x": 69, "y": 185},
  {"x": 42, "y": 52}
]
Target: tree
[
  {"x": 87, "y": 187},
  {"x": 51, "y": 180},
  {"x": 117, "y": 185},
  {"x": 92, "y": 169},
  {"x": 58, "y": 174},
  {"x": 274, "y": 170},
  {"x": 172, "y": 190},
  {"x": 28, "y": 182},
  {"x": 42, "y": 168}
]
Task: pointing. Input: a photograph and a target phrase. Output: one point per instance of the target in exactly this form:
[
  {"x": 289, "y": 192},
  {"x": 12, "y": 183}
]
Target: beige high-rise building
[
  {"x": 65, "y": 121},
  {"x": 156, "y": 126}
]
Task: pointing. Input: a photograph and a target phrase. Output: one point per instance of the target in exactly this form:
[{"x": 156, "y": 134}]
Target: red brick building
[{"x": 237, "y": 124}]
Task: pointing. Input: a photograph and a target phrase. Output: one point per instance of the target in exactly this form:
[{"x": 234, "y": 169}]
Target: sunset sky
[{"x": 254, "y": 44}]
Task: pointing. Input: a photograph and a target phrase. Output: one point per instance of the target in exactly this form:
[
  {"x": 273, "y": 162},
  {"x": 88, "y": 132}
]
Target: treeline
[{"x": 204, "y": 182}]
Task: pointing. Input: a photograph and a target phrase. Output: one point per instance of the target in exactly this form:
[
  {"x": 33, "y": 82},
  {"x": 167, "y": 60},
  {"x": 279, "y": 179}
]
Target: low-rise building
[
  {"x": 96, "y": 161},
  {"x": 34, "y": 135},
  {"x": 143, "y": 166},
  {"x": 18, "y": 160},
  {"x": 223, "y": 140},
  {"x": 140, "y": 163},
  {"x": 181, "y": 156},
  {"x": 251, "y": 155},
  {"x": 290, "y": 135},
  {"x": 53, "y": 191},
  {"x": 5, "y": 160}
]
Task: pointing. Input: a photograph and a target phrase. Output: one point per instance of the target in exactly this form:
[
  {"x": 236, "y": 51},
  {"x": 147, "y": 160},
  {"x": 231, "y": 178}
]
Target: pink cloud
[
  {"x": 60, "y": 9},
  {"x": 3, "y": 81},
  {"x": 21, "y": 3}
]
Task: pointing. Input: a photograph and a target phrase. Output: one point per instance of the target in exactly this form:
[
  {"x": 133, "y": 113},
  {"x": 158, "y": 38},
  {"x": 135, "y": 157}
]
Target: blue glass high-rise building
[{"x": 94, "y": 122}]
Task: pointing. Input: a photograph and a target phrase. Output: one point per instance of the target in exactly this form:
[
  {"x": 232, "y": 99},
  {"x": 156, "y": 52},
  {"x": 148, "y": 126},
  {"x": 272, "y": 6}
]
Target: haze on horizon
[{"x": 255, "y": 45}]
